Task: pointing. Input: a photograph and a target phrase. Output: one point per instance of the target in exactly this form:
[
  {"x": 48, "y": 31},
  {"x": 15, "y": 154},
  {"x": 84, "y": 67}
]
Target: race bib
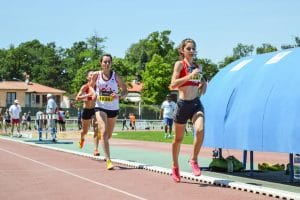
[
  {"x": 196, "y": 77},
  {"x": 105, "y": 96}
]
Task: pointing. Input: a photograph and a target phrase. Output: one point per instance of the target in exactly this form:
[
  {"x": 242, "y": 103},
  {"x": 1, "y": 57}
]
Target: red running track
[{"x": 29, "y": 172}]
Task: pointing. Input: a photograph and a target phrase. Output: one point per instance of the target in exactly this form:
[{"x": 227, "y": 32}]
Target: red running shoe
[
  {"x": 81, "y": 143},
  {"x": 195, "y": 168},
  {"x": 175, "y": 174}
]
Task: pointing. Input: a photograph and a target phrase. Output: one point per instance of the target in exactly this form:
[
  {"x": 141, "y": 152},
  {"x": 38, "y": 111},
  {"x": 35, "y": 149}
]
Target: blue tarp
[{"x": 254, "y": 104}]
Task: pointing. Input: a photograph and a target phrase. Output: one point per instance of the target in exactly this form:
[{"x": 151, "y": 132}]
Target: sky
[{"x": 216, "y": 26}]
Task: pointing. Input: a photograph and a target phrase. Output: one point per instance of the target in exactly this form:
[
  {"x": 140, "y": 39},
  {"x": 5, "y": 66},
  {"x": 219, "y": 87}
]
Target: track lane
[{"x": 38, "y": 173}]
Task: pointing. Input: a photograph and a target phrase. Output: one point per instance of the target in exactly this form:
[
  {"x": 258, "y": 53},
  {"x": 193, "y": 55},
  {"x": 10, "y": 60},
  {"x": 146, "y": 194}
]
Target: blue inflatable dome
[{"x": 254, "y": 104}]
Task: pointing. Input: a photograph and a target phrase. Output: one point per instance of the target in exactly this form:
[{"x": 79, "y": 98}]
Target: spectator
[
  {"x": 14, "y": 111},
  {"x": 124, "y": 122},
  {"x": 51, "y": 111},
  {"x": 61, "y": 119},
  {"x": 7, "y": 121},
  {"x": 23, "y": 122},
  {"x": 166, "y": 113},
  {"x": 28, "y": 120},
  {"x": 45, "y": 123},
  {"x": 39, "y": 123},
  {"x": 132, "y": 121},
  {"x": 67, "y": 114}
]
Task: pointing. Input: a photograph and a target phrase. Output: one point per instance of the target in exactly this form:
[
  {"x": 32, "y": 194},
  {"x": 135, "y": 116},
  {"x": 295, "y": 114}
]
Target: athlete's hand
[
  {"x": 194, "y": 73},
  {"x": 114, "y": 95}
]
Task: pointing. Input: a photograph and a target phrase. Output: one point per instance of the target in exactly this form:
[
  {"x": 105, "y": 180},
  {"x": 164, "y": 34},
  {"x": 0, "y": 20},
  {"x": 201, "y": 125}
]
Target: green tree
[
  {"x": 238, "y": 52},
  {"x": 289, "y": 46},
  {"x": 156, "y": 77},
  {"x": 156, "y": 43},
  {"x": 80, "y": 76},
  {"x": 96, "y": 47},
  {"x": 80, "y": 58},
  {"x": 242, "y": 50},
  {"x": 209, "y": 69},
  {"x": 265, "y": 48}
]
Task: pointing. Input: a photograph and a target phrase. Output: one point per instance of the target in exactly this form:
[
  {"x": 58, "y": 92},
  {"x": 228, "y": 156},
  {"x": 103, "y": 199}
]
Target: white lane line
[{"x": 75, "y": 175}]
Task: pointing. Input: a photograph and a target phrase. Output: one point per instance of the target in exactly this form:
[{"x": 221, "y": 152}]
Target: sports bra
[
  {"x": 186, "y": 70},
  {"x": 86, "y": 90}
]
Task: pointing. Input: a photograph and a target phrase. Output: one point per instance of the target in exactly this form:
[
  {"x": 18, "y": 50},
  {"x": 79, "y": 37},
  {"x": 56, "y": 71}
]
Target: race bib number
[
  {"x": 196, "y": 77},
  {"x": 105, "y": 96}
]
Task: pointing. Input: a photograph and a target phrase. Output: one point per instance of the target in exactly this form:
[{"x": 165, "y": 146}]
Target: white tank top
[{"x": 104, "y": 89}]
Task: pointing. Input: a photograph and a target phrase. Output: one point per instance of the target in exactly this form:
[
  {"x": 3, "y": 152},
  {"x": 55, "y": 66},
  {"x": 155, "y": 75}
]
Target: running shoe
[
  {"x": 96, "y": 153},
  {"x": 175, "y": 174},
  {"x": 81, "y": 143},
  {"x": 195, "y": 168},
  {"x": 109, "y": 164}
]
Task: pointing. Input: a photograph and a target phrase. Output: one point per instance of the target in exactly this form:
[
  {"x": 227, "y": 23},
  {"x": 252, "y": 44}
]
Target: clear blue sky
[{"x": 217, "y": 26}]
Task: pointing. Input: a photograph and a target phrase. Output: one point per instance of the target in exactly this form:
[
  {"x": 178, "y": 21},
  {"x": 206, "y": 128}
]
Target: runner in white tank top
[{"x": 107, "y": 84}]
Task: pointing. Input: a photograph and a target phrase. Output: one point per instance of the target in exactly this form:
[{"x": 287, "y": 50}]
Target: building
[
  {"x": 29, "y": 94},
  {"x": 134, "y": 92}
]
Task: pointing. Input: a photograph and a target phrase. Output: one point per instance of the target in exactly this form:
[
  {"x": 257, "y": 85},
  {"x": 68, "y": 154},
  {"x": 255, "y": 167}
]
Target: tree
[
  {"x": 242, "y": 50},
  {"x": 265, "y": 48},
  {"x": 209, "y": 69},
  {"x": 238, "y": 52},
  {"x": 289, "y": 46},
  {"x": 80, "y": 76},
  {"x": 121, "y": 67},
  {"x": 96, "y": 46},
  {"x": 156, "y": 79},
  {"x": 156, "y": 43},
  {"x": 81, "y": 57},
  {"x": 227, "y": 61}
]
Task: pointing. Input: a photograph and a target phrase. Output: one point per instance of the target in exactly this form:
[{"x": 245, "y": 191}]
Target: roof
[
  {"x": 30, "y": 87},
  {"x": 135, "y": 87}
]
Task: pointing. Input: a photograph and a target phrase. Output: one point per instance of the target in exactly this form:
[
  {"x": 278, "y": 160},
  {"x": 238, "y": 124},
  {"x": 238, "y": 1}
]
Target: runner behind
[{"x": 87, "y": 95}]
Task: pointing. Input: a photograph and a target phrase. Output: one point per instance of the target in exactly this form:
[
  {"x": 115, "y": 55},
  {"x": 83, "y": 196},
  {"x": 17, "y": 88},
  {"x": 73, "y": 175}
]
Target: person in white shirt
[
  {"x": 39, "y": 123},
  {"x": 51, "y": 115},
  {"x": 15, "y": 111},
  {"x": 166, "y": 113}
]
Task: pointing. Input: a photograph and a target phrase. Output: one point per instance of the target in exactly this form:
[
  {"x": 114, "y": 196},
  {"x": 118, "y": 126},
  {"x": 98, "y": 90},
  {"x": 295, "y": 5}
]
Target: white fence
[{"x": 72, "y": 124}]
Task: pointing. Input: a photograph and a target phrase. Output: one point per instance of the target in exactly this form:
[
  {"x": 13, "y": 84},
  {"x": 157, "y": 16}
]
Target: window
[
  {"x": 10, "y": 97},
  {"x": 44, "y": 100},
  {"x": 37, "y": 99},
  {"x": 27, "y": 100}
]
